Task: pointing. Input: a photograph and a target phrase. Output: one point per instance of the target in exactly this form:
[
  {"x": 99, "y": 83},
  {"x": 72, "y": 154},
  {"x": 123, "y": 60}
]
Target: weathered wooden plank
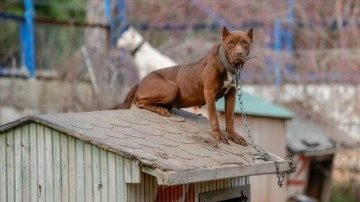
[
  {"x": 104, "y": 175},
  {"x": 3, "y": 164},
  {"x": 132, "y": 171},
  {"x": 142, "y": 187},
  {"x": 72, "y": 168},
  {"x": 25, "y": 155},
  {"x": 146, "y": 183},
  {"x": 96, "y": 173},
  {"x": 41, "y": 162},
  {"x": 112, "y": 176},
  {"x": 221, "y": 184},
  {"x": 120, "y": 179},
  {"x": 153, "y": 188},
  {"x": 49, "y": 177},
  {"x": 10, "y": 165},
  {"x": 127, "y": 166},
  {"x": 88, "y": 172},
  {"x": 130, "y": 193},
  {"x": 135, "y": 172},
  {"x": 64, "y": 153},
  {"x": 80, "y": 175},
  {"x": 138, "y": 197},
  {"x": 226, "y": 171},
  {"x": 57, "y": 164},
  {"x": 197, "y": 191},
  {"x": 18, "y": 164},
  {"x": 33, "y": 162}
]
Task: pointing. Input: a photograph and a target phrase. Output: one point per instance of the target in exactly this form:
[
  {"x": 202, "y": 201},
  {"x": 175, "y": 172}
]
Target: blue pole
[
  {"x": 109, "y": 20},
  {"x": 277, "y": 49},
  {"x": 121, "y": 19},
  {"x": 290, "y": 34},
  {"x": 118, "y": 22},
  {"x": 290, "y": 18},
  {"x": 27, "y": 39},
  {"x": 107, "y": 10}
]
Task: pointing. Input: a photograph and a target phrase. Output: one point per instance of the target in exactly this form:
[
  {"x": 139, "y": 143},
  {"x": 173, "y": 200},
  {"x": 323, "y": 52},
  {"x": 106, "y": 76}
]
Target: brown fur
[{"x": 196, "y": 84}]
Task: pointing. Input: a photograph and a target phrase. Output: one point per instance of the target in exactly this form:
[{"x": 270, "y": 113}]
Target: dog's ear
[
  {"x": 250, "y": 34},
  {"x": 225, "y": 32}
]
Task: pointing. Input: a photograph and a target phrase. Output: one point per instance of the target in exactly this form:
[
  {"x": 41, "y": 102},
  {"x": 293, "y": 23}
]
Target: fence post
[
  {"x": 120, "y": 21},
  {"x": 277, "y": 48},
  {"x": 27, "y": 39},
  {"x": 290, "y": 37}
]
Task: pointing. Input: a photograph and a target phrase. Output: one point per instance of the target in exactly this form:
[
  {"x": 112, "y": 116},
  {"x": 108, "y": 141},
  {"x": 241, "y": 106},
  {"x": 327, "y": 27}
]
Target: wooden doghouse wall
[
  {"x": 270, "y": 134},
  {"x": 149, "y": 191},
  {"x": 38, "y": 163}
]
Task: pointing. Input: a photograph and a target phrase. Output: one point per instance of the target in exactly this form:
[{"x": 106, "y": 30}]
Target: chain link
[{"x": 261, "y": 153}]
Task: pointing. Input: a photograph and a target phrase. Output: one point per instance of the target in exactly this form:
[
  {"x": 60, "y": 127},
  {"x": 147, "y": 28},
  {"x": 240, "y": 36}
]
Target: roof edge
[
  {"x": 229, "y": 171},
  {"x": 318, "y": 152},
  {"x": 18, "y": 122},
  {"x": 40, "y": 120}
]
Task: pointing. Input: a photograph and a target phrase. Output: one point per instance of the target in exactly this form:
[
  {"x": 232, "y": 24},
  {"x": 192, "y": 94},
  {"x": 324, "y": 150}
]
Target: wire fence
[
  {"x": 10, "y": 46},
  {"x": 324, "y": 47}
]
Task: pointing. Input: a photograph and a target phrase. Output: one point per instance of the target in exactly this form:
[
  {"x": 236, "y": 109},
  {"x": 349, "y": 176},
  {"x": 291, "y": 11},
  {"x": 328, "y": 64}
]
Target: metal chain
[{"x": 261, "y": 153}]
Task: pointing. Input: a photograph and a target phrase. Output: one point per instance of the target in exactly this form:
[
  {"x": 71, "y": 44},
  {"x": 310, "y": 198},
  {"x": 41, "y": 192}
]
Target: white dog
[{"x": 146, "y": 57}]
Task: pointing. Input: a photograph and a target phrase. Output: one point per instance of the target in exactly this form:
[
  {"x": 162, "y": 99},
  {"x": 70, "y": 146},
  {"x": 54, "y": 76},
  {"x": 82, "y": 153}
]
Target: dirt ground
[
  {"x": 346, "y": 176},
  {"x": 347, "y": 166}
]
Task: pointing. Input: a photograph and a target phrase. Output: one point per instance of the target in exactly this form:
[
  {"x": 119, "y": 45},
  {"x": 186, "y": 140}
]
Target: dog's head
[
  {"x": 129, "y": 38},
  {"x": 237, "y": 45}
]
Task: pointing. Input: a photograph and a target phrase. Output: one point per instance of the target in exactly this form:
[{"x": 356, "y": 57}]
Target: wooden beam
[{"x": 228, "y": 171}]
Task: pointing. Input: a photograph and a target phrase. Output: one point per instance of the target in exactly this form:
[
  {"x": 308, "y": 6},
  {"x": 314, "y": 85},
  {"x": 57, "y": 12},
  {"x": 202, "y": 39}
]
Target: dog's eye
[
  {"x": 244, "y": 43},
  {"x": 232, "y": 43}
]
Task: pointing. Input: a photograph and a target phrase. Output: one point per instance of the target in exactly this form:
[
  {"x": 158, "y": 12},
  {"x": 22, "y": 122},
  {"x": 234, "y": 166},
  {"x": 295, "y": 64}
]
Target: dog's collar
[
  {"x": 226, "y": 62},
  {"x": 133, "y": 52}
]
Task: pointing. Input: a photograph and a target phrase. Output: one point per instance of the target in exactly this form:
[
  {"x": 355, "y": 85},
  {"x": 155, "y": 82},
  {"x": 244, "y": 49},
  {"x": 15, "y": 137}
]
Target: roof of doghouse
[
  {"x": 257, "y": 107},
  {"x": 310, "y": 134},
  {"x": 177, "y": 149},
  {"x": 307, "y": 138}
]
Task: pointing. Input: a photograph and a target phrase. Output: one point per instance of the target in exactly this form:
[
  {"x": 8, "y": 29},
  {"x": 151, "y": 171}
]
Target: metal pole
[
  {"x": 121, "y": 21},
  {"x": 277, "y": 49},
  {"x": 290, "y": 23},
  {"x": 290, "y": 36},
  {"x": 27, "y": 39}
]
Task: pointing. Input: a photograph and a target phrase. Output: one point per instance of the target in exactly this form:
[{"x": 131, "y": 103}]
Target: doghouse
[
  {"x": 123, "y": 155},
  {"x": 314, "y": 142},
  {"x": 267, "y": 123}
]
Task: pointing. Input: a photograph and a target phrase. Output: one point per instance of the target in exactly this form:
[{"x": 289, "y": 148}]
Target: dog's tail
[{"x": 129, "y": 98}]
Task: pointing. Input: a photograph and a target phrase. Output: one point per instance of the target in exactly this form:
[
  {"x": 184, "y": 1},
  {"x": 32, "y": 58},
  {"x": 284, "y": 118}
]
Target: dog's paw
[
  {"x": 163, "y": 112},
  {"x": 238, "y": 139},
  {"x": 220, "y": 137}
]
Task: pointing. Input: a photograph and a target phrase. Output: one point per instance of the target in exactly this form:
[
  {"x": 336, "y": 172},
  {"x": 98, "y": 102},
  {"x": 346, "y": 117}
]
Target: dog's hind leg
[
  {"x": 156, "y": 96},
  {"x": 159, "y": 110}
]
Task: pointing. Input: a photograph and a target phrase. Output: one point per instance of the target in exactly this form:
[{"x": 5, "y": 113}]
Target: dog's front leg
[
  {"x": 229, "y": 117},
  {"x": 210, "y": 102}
]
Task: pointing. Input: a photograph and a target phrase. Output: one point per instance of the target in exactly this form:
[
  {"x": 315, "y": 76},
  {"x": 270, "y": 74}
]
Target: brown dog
[{"x": 198, "y": 83}]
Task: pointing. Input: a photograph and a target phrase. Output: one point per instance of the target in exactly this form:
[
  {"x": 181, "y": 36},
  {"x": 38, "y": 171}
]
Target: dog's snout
[{"x": 240, "y": 53}]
